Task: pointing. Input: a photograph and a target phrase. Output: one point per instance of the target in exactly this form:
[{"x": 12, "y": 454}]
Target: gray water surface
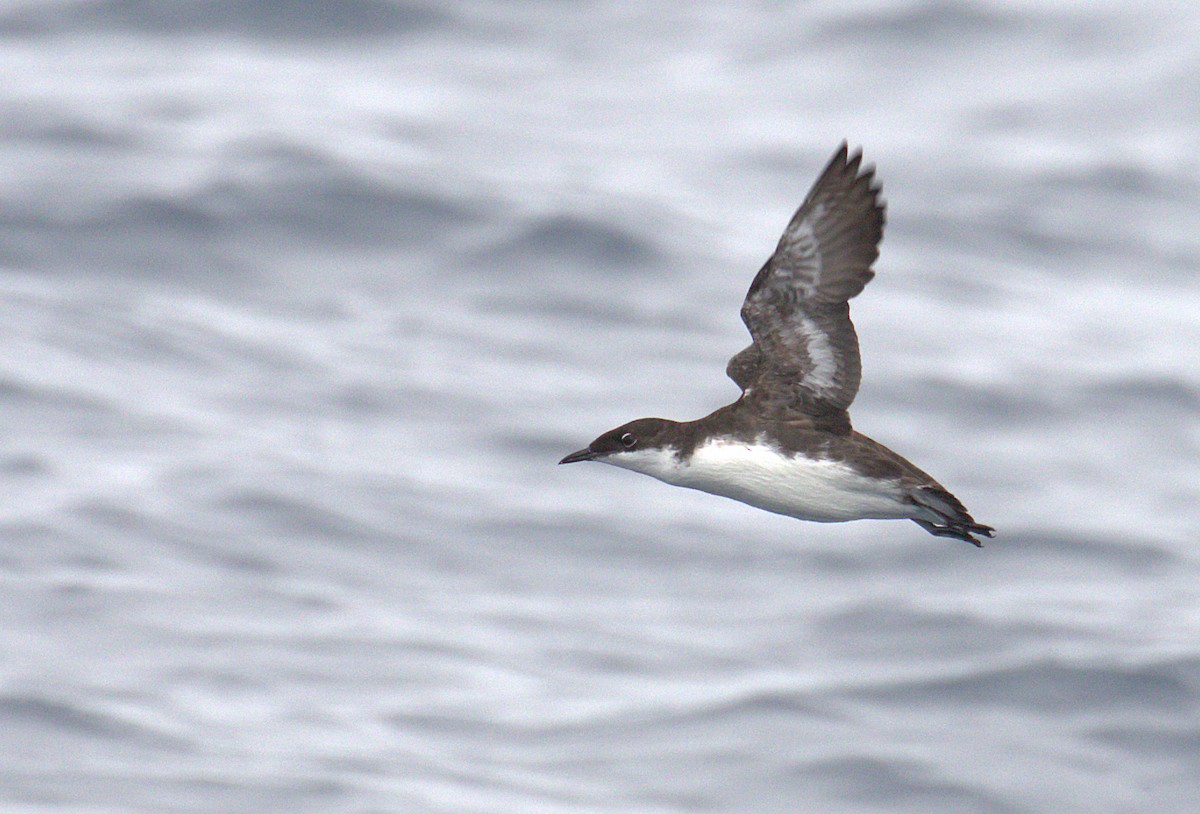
[{"x": 303, "y": 302}]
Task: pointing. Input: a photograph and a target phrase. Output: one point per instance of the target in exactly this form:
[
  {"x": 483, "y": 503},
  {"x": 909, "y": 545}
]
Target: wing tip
[
  {"x": 849, "y": 164},
  {"x": 847, "y": 173}
]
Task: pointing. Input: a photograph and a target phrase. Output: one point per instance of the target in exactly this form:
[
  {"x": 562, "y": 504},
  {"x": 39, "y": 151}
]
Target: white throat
[{"x": 661, "y": 463}]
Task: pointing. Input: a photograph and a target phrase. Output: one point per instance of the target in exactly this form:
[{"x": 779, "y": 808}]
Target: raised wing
[{"x": 804, "y": 360}]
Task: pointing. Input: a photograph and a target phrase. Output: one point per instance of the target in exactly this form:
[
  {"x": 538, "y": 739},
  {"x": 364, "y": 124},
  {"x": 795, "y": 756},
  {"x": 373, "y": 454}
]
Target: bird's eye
[{"x": 628, "y": 440}]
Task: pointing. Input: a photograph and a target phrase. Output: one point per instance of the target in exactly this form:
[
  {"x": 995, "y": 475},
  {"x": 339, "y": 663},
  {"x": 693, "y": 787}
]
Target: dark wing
[{"x": 804, "y": 359}]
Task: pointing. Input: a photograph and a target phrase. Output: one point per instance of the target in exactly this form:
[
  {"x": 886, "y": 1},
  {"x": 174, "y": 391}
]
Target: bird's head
[{"x": 637, "y": 445}]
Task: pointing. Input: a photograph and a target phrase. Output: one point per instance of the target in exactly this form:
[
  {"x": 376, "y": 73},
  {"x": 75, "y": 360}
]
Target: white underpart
[{"x": 760, "y": 475}]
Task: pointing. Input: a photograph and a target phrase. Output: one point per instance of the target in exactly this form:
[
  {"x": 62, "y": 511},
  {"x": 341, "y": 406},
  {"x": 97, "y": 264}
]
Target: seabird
[{"x": 786, "y": 445}]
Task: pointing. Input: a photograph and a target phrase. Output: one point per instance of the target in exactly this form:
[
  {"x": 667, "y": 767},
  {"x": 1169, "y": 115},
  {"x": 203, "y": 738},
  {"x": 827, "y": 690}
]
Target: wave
[
  {"x": 29, "y": 714},
  {"x": 895, "y": 784},
  {"x": 277, "y": 193},
  {"x": 558, "y": 240},
  {"x": 1049, "y": 686},
  {"x": 276, "y": 19}
]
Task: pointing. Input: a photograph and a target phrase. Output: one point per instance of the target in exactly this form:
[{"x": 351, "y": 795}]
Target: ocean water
[{"x": 302, "y": 301}]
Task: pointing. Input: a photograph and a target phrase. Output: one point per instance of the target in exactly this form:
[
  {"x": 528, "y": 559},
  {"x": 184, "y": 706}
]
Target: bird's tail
[{"x": 943, "y": 515}]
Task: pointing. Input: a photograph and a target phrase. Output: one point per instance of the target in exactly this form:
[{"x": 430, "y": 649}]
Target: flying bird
[{"x": 786, "y": 445}]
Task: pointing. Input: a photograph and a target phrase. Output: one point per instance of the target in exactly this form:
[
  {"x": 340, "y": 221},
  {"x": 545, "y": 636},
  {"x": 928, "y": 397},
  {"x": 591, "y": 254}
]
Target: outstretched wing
[{"x": 804, "y": 360}]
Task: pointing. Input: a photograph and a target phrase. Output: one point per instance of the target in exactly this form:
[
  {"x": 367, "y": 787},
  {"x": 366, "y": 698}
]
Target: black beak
[{"x": 576, "y": 457}]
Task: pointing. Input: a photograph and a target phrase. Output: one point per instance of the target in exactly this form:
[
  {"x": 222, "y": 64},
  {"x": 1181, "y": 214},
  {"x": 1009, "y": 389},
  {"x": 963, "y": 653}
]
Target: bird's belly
[{"x": 808, "y": 489}]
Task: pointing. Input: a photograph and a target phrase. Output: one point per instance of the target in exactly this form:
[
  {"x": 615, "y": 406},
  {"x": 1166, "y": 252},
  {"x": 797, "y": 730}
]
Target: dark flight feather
[{"x": 803, "y": 364}]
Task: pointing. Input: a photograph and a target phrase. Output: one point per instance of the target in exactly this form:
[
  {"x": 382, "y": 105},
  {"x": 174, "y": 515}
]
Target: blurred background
[{"x": 302, "y": 301}]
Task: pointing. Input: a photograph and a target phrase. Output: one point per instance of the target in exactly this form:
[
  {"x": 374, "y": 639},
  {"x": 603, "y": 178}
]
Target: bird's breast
[{"x": 763, "y": 476}]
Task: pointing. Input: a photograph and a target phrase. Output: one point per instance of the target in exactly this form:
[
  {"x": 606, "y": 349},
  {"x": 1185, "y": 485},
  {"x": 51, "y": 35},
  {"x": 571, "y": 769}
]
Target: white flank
[{"x": 758, "y": 474}]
